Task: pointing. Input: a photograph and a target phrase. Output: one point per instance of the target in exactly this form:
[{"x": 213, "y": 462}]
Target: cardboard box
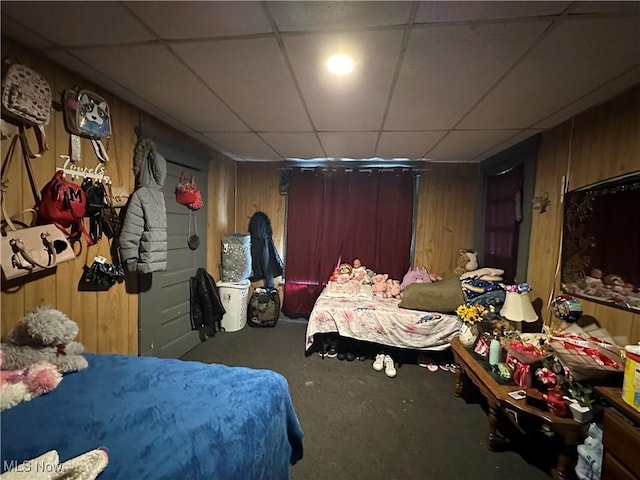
[{"x": 631, "y": 383}]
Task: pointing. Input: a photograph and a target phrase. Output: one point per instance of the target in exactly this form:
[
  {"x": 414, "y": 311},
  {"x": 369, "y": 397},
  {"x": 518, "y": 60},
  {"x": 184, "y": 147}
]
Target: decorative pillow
[{"x": 443, "y": 296}]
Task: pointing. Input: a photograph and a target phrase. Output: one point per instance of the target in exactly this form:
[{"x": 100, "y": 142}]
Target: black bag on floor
[{"x": 264, "y": 308}]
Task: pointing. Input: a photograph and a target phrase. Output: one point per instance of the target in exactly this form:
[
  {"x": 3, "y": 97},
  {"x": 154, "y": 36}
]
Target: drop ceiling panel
[
  {"x": 463, "y": 145},
  {"x": 464, "y": 11},
  {"x": 202, "y": 19},
  {"x": 355, "y": 145},
  {"x": 152, "y": 72},
  {"x": 295, "y": 145},
  {"x": 445, "y": 70},
  {"x": 13, "y": 29},
  {"x": 104, "y": 23},
  {"x": 353, "y": 102},
  {"x": 247, "y": 145},
  {"x": 574, "y": 59},
  {"x": 266, "y": 98},
  {"x": 411, "y": 145},
  {"x": 605, "y": 7},
  {"x": 509, "y": 142},
  {"x": 314, "y": 16}
]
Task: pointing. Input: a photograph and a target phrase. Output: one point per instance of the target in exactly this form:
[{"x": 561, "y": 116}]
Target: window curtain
[
  {"x": 341, "y": 215},
  {"x": 503, "y": 214}
]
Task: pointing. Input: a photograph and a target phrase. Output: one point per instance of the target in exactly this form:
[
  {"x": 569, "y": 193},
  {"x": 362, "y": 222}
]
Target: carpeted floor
[{"x": 360, "y": 424}]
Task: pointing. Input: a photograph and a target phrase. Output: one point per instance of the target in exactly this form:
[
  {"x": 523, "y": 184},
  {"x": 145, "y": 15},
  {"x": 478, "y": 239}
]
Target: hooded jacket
[
  {"x": 143, "y": 239},
  {"x": 265, "y": 259}
]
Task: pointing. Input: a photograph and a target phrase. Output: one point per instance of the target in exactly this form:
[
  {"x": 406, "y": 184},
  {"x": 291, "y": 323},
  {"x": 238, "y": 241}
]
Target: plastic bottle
[{"x": 495, "y": 349}]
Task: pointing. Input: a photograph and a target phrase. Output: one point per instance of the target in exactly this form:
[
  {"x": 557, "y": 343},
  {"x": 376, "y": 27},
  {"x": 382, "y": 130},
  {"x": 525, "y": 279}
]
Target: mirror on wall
[{"x": 600, "y": 258}]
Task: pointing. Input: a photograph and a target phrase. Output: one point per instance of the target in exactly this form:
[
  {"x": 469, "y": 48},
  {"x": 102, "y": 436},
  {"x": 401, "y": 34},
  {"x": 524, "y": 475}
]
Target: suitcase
[{"x": 264, "y": 308}]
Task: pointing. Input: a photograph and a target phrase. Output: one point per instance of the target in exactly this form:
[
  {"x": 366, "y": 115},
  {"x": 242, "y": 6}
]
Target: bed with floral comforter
[{"x": 380, "y": 320}]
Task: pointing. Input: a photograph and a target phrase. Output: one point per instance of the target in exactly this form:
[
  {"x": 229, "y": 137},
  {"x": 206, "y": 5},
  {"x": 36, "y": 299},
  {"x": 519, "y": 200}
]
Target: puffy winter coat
[{"x": 143, "y": 239}]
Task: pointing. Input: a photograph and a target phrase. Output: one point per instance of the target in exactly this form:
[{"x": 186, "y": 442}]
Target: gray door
[{"x": 164, "y": 322}]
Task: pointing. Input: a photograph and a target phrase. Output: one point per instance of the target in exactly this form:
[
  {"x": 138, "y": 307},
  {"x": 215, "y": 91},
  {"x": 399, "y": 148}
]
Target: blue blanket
[{"x": 162, "y": 419}]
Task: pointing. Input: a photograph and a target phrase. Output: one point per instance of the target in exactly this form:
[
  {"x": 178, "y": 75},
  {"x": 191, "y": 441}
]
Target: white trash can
[{"x": 235, "y": 298}]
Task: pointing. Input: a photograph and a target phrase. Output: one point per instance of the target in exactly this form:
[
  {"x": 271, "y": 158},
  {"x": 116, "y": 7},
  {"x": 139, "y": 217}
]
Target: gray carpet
[{"x": 360, "y": 424}]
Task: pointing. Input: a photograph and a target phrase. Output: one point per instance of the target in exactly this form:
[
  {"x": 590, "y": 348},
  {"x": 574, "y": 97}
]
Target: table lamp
[{"x": 517, "y": 308}]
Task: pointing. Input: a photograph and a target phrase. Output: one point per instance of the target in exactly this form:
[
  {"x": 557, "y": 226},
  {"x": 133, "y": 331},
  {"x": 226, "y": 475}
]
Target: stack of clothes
[{"x": 483, "y": 287}]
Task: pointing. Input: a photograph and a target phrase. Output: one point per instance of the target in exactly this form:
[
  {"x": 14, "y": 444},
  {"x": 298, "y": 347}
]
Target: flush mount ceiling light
[{"x": 340, "y": 64}]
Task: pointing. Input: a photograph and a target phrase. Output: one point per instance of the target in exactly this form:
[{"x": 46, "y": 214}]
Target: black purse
[{"x": 100, "y": 275}]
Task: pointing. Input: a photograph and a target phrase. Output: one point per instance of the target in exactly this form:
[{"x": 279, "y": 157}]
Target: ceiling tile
[
  {"x": 353, "y": 102},
  {"x": 295, "y": 145},
  {"x": 24, "y": 35},
  {"x": 596, "y": 97},
  {"x": 152, "y": 72},
  {"x": 266, "y": 98},
  {"x": 514, "y": 140},
  {"x": 604, "y": 7},
  {"x": 103, "y": 23},
  {"x": 202, "y": 19},
  {"x": 574, "y": 59},
  {"x": 411, "y": 145},
  {"x": 247, "y": 145},
  {"x": 354, "y": 145},
  {"x": 462, "y": 11},
  {"x": 447, "y": 69},
  {"x": 314, "y": 16},
  {"x": 464, "y": 145}
]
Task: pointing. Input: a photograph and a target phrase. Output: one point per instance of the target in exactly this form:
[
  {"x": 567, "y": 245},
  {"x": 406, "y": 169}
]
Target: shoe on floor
[
  {"x": 389, "y": 367},
  {"x": 378, "y": 363}
]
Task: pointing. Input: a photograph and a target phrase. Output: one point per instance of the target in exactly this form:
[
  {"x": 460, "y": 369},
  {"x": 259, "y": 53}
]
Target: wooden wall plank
[{"x": 598, "y": 144}]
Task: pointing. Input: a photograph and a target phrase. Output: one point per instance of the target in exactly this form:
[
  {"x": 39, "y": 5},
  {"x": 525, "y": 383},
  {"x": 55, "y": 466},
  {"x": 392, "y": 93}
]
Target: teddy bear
[
  {"x": 467, "y": 261},
  {"x": 379, "y": 286},
  {"x": 44, "y": 334},
  {"x": 22, "y": 385},
  {"x": 393, "y": 289}
]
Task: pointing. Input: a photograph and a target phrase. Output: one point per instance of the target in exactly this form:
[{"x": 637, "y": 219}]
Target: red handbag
[{"x": 187, "y": 192}]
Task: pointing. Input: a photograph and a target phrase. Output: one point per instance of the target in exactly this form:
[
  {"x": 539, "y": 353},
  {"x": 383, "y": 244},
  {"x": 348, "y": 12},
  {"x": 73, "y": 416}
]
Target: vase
[{"x": 468, "y": 334}]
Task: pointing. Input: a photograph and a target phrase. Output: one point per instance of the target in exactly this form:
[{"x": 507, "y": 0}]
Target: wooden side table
[{"x": 566, "y": 430}]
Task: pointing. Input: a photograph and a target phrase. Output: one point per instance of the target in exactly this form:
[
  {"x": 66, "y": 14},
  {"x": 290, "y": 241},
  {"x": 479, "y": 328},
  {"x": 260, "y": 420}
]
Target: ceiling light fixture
[{"x": 340, "y": 64}]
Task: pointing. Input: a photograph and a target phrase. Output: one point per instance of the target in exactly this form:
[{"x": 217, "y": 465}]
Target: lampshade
[{"x": 517, "y": 308}]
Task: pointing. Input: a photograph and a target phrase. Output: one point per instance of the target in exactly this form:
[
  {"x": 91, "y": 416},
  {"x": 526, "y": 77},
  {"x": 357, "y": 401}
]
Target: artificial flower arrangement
[{"x": 472, "y": 314}]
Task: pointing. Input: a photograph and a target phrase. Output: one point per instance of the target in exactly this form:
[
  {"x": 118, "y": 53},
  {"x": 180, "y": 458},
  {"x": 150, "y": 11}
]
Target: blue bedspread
[{"x": 162, "y": 419}]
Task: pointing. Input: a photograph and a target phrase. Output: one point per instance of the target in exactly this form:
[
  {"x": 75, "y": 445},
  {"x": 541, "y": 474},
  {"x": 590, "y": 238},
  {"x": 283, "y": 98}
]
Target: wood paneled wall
[
  {"x": 108, "y": 321},
  {"x": 601, "y": 143}
]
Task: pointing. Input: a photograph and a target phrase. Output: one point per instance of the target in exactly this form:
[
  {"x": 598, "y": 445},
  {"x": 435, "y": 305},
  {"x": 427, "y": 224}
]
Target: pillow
[{"x": 443, "y": 296}]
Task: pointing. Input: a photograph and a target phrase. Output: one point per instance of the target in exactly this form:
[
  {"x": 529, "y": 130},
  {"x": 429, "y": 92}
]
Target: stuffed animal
[
  {"x": 379, "y": 286},
  {"x": 467, "y": 261},
  {"x": 415, "y": 275},
  {"x": 393, "y": 289},
  {"x": 22, "y": 385},
  {"x": 359, "y": 271},
  {"x": 47, "y": 466},
  {"x": 44, "y": 335}
]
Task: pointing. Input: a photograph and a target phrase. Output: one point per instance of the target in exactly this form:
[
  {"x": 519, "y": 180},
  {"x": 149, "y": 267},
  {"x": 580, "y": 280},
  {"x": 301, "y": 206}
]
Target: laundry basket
[{"x": 234, "y": 297}]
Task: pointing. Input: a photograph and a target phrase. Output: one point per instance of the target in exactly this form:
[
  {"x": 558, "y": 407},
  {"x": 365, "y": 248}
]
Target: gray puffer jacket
[{"x": 143, "y": 239}]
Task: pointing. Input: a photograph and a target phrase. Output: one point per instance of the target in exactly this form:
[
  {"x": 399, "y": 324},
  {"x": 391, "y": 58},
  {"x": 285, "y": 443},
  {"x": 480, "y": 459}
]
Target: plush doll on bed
[
  {"x": 379, "y": 285},
  {"x": 393, "y": 289},
  {"x": 467, "y": 261},
  {"x": 22, "y": 385},
  {"x": 415, "y": 275},
  {"x": 48, "y": 335},
  {"x": 359, "y": 271}
]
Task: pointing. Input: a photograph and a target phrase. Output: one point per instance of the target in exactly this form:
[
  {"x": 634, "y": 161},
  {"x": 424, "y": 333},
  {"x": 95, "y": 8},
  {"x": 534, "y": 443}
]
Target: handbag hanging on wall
[
  {"x": 24, "y": 251},
  {"x": 187, "y": 192}
]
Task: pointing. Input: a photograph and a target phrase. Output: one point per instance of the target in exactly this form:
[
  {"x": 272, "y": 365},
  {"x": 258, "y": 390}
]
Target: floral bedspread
[{"x": 379, "y": 320}]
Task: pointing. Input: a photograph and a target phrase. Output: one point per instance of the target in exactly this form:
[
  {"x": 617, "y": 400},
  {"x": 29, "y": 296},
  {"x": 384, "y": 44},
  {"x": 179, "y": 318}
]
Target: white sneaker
[
  {"x": 389, "y": 367},
  {"x": 378, "y": 363}
]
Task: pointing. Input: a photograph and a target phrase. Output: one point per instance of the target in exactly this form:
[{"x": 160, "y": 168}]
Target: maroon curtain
[
  {"x": 503, "y": 214},
  {"x": 344, "y": 215}
]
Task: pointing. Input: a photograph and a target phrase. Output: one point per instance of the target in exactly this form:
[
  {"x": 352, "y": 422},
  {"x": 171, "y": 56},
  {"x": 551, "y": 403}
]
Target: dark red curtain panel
[
  {"x": 502, "y": 222},
  {"x": 342, "y": 215}
]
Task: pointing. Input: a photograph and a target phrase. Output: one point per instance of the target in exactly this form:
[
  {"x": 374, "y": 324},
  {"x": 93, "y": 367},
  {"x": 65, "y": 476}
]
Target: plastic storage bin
[{"x": 235, "y": 298}]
